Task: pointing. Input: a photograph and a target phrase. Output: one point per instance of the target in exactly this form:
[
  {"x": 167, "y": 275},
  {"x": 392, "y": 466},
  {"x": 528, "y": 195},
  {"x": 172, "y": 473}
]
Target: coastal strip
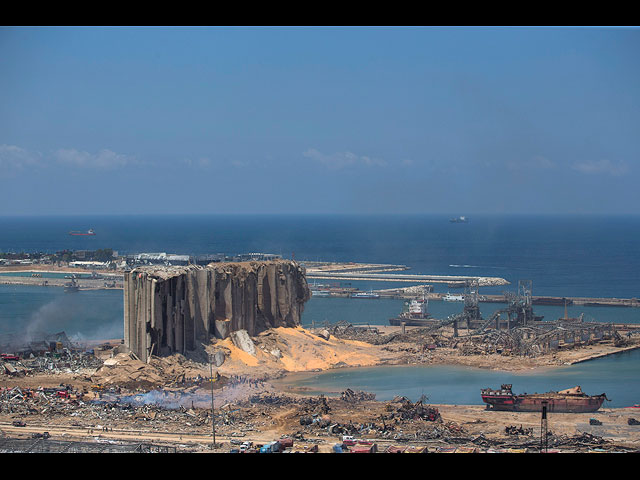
[
  {"x": 112, "y": 282},
  {"x": 399, "y": 277},
  {"x": 602, "y": 354}
]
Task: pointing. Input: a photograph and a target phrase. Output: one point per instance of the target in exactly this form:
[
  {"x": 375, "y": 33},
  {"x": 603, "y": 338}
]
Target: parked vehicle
[
  {"x": 286, "y": 442},
  {"x": 340, "y": 448},
  {"x": 348, "y": 440},
  {"x": 364, "y": 448},
  {"x": 272, "y": 447}
]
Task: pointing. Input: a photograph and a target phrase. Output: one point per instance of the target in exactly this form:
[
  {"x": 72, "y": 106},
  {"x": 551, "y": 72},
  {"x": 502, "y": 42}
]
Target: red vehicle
[
  {"x": 364, "y": 448},
  {"x": 286, "y": 442},
  {"x": 348, "y": 440},
  {"x": 9, "y": 357}
]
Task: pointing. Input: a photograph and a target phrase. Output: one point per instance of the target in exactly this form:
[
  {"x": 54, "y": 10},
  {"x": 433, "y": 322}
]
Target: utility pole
[
  {"x": 213, "y": 418},
  {"x": 544, "y": 439}
]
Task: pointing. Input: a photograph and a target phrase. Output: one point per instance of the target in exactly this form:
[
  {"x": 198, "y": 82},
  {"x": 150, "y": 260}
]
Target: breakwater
[{"x": 115, "y": 281}]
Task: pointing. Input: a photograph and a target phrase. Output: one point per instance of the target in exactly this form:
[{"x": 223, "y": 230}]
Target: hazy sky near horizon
[{"x": 319, "y": 120}]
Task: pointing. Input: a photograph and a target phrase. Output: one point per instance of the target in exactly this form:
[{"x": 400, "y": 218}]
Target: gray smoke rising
[
  {"x": 80, "y": 320},
  {"x": 168, "y": 400},
  {"x": 173, "y": 400},
  {"x": 48, "y": 319}
]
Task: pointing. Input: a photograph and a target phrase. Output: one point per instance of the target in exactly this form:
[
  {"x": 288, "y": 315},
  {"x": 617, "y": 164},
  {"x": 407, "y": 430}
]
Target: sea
[{"x": 562, "y": 255}]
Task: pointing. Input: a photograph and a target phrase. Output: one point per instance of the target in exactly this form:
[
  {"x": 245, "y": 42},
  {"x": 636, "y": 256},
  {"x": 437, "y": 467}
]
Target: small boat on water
[
  {"x": 459, "y": 220},
  {"x": 572, "y": 400}
]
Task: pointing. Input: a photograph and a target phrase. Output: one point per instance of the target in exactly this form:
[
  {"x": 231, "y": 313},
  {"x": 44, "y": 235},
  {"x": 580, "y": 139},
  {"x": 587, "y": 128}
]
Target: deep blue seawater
[
  {"x": 595, "y": 256},
  {"x": 583, "y": 256}
]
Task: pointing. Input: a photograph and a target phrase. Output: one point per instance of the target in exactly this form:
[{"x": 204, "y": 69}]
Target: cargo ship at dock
[
  {"x": 414, "y": 314},
  {"x": 572, "y": 400}
]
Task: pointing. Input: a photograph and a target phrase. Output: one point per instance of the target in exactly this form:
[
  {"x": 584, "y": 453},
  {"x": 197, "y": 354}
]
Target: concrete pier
[{"x": 406, "y": 278}]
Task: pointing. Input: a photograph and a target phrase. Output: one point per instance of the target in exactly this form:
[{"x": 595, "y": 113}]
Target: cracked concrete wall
[{"x": 173, "y": 309}]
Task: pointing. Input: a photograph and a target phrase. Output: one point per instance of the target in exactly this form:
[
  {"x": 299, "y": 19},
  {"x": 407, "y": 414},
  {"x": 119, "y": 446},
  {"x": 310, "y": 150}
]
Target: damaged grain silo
[{"x": 174, "y": 309}]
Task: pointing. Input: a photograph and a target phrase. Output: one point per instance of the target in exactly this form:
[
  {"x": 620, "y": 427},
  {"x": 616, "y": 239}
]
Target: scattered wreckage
[
  {"x": 525, "y": 340},
  {"x": 44, "y": 354}
]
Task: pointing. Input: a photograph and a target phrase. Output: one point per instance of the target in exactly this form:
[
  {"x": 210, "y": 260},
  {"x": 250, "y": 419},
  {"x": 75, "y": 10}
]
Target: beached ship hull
[{"x": 566, "y": 401}]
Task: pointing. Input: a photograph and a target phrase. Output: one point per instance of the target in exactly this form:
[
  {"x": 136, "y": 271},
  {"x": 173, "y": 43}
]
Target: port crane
[{"x": 519, "y": 311}]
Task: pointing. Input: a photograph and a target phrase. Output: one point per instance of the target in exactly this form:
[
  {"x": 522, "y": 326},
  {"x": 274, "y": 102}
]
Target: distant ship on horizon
[
  {"x": 459, "y": 220},
  {"x": 89, "y": 232}
]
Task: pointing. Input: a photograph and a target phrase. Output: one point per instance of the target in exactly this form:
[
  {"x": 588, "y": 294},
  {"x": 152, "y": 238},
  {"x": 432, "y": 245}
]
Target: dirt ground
[{"x": 250, "y": 405}]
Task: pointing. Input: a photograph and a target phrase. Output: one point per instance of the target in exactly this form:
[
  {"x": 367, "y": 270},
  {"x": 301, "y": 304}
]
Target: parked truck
[
  {"x": 340, "y": 448},
  {"x": 271, "y": 447},
  {"x": 286, "y": 442}
]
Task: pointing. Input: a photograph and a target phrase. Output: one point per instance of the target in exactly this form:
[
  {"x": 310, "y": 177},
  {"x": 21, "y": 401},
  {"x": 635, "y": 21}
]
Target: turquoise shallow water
[{"x": 616, "y": 375}]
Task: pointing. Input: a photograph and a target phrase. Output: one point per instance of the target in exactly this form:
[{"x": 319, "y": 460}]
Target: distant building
[{"x": 254, "y": 257}]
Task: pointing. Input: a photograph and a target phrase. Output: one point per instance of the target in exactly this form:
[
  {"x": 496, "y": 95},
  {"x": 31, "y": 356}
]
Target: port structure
[
  {"x": 471, "y": 299},
  {"x": 518, "y": 313},
  {"x": 520, "y": 309}
]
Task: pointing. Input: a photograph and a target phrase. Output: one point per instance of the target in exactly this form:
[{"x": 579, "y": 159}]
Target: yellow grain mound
[{"x": 301, "y": 350}]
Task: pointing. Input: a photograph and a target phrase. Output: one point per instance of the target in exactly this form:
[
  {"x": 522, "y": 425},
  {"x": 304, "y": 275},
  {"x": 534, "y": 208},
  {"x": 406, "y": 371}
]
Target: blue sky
[{"x": 319, "y": 120}]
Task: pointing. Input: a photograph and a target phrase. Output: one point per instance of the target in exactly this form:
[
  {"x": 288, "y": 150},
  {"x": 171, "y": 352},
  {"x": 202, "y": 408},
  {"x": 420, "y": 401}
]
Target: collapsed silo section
[{"x": 176, "y": 309}]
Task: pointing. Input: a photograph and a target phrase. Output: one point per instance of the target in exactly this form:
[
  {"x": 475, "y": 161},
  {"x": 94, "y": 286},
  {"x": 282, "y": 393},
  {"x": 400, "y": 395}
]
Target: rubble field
[{"x": 110, "y": 395}]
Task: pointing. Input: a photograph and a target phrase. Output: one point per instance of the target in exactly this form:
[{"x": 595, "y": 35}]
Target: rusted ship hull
[{"x": 558, "y": 402}]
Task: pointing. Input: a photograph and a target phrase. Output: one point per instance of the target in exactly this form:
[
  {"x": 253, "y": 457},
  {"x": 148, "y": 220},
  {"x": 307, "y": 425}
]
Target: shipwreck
[{"x": 571, "y": 400}]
